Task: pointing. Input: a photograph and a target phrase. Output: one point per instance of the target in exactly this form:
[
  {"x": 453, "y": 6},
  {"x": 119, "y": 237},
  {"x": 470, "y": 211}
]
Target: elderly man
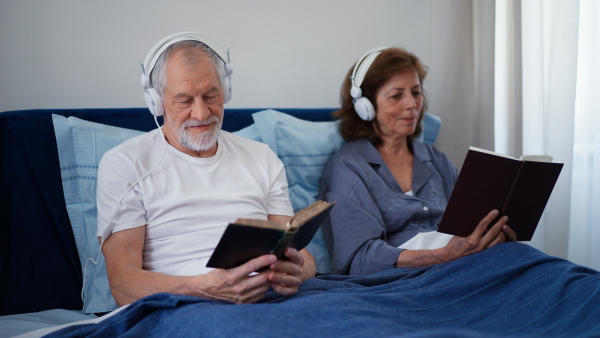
[{"x": 165, "y": 197}]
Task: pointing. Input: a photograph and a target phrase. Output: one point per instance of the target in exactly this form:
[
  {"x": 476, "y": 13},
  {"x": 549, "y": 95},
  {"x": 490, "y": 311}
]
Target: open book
[
  {"x": 246, "y": 239},
  {"x": 519, "y": 188}
]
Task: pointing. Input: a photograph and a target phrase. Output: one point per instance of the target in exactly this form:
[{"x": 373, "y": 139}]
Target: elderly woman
[{"x": 388, "y": 186}]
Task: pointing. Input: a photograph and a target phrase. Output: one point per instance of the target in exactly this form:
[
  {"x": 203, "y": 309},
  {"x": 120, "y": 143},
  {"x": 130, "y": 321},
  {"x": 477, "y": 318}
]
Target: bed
[{"x": 47, "y": 217}]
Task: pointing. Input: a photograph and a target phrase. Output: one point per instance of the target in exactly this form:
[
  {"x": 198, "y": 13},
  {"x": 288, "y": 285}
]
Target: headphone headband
[
  {"x": 151, "y": 96},
  {"x": 362, "y": 66},
  {"x": 364, "y": 108},
  {"x": 170, "y": 40}
]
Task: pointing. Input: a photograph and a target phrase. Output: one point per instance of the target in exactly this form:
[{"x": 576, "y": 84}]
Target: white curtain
[
  {"x": 546, "y": 88},
  {"x": 584, "y": 244}
]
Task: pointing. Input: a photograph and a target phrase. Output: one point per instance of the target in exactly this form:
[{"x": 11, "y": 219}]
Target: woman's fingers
[
  {"x": 511, "y": 236},
  {"x": 484, "y": 224}
]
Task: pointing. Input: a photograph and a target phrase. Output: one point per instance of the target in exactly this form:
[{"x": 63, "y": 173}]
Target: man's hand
[
  {"x": 286, "y": 275},
  {"x": 237, "y": 285},
  {"x": 129, "y": 282}
]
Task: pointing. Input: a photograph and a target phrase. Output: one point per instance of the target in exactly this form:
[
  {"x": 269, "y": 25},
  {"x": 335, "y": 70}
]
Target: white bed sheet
[
  {"x": 13, "y": 325},
  {"x": 38, "y": 324}
]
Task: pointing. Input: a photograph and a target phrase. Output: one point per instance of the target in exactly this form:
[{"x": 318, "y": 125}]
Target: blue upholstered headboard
[
  {"x": 36, "y": 240},
  {"x": 39, "y": 263}
]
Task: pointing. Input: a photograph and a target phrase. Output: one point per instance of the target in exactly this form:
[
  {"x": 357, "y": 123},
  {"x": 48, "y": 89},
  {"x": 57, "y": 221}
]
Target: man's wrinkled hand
[{"x": 286, "y": 275}]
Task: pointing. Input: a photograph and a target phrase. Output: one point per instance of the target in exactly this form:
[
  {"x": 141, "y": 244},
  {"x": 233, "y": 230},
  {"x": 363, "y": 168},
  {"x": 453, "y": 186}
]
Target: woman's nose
[{"x": 411, "y": 102}]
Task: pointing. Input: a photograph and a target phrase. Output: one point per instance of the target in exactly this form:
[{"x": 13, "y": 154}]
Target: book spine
[
  {"x": 502, "y": 211},
  {"x": 284, "y": 242}
]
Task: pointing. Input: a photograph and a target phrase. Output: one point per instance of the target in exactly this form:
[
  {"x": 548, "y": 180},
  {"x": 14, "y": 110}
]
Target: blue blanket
[{"x": 508, "y": 290}]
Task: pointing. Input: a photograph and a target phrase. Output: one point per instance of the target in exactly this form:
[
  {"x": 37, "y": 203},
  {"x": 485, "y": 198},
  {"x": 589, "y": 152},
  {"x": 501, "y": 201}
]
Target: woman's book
[
  {"x": 519, "y": 188},
  {"x": 246, "y": 239}
]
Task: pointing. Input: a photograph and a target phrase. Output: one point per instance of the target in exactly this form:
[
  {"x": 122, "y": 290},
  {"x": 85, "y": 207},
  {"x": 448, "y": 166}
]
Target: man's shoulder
[
  {"x": 242, "y": 143},
  {"x": 137, "y": 146}
]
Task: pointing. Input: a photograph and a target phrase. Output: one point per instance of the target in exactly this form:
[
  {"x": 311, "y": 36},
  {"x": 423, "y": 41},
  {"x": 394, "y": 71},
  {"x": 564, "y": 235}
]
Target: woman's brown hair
[{"x": 390, "y": 62}]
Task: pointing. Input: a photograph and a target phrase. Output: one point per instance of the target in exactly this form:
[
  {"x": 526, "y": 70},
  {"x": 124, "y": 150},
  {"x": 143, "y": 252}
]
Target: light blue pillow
[
  {"x": 431, "y": 128},
  {"x": 304, "y": 147},
  {"x": 81, "y": 145},
  {"x": 250, "y": 132}
]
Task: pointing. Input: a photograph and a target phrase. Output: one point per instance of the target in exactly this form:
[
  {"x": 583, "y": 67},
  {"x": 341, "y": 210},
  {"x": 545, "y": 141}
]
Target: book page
[
  {"x": 536, "y": 158},
  {"x": 259, "y": 223},
  {"x": 307, "y": 213},
  {"x": 490, "y": 152}
]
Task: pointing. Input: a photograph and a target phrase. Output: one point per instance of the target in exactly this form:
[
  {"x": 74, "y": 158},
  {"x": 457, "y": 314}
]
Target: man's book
[
  {"x": 246, "y": 239},
  {"x": 518, "y": 188}
]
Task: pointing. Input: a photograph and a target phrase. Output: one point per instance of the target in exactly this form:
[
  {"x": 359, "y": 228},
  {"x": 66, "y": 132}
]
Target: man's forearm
[
  {"x": 133, "y": 283},
  {"x": 128, "y": 281}
]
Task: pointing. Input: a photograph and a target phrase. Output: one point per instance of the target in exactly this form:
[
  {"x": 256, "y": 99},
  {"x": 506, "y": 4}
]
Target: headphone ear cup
[
  {"x": 153, "y": 101},
  {"x": 145, "y": 81},
  {"x": 364, "y": 109},
  {"x": 227, "y": 89},
  {"x": 228, "y": 69},
  {"x": 355, "y": 92}
]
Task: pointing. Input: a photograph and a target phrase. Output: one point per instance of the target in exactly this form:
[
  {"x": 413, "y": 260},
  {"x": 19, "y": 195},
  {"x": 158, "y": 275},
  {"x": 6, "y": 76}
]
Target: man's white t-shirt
[{"x": 187, "y": 202}]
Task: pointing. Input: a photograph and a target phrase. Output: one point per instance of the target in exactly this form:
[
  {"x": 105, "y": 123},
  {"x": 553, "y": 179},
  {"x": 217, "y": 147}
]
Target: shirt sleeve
[
  {"x": 118, "y": 198},
  {"x": 359, "y": 247},
  {"x": 355, "y": 231}
]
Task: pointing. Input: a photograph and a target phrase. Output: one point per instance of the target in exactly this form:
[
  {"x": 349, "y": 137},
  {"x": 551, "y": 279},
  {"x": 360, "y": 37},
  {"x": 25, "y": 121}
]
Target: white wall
[{"x": 87, "y": 54}]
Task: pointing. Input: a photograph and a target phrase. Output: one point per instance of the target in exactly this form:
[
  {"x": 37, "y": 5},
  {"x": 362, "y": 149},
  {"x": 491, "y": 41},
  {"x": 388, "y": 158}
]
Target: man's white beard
[{"x": 203, "y": 141}]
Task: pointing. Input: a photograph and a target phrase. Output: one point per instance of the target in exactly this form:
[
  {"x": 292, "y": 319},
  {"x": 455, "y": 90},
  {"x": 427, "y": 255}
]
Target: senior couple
[{"x": 165, "y": 197}]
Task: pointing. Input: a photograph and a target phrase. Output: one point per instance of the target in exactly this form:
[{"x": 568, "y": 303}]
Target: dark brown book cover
[
  {"x": 517, "y": 188},
  {"x": 246, "y": 239}
]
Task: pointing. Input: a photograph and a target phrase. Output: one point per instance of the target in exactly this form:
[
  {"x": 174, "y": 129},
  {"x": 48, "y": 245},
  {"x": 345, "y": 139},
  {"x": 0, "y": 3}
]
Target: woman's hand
[
  {"x": 458, "y": 247},
  {"x": 479, "y": 240}
]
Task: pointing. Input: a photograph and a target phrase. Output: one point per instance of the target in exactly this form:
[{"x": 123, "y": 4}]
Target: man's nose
[{"x": 200, "y": 110}]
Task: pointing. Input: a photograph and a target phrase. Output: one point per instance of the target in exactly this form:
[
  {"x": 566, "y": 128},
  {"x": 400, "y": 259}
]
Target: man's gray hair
[{"x": 190, "y": 50}]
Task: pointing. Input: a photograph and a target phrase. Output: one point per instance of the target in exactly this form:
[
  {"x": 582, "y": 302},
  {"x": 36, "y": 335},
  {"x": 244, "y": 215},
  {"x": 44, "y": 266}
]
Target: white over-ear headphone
[
  {"x": 364, "y": 108},
  {"x": 151, "y": 96}
]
